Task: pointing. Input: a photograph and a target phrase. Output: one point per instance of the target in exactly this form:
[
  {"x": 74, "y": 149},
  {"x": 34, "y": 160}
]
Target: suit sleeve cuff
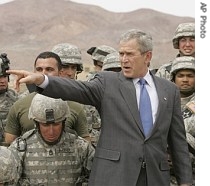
[{"x": 45, "y": 82}]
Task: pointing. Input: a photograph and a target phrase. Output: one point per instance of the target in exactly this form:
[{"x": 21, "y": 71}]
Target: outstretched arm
[{"x": 27, "y": 77}]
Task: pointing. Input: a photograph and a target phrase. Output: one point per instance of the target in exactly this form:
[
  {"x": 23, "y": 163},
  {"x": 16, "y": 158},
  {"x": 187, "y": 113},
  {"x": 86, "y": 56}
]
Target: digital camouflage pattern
[
  {"x": 183, "y": 62},
  {"x": 183, "y": 30},
  {"x": 7, "y": 96},
  {"x": 187, "y": 107},
  {"x": 69, "y": 54},
  {"x": 48, "y": 110},
  {"x": 7, "y": 99},
  {"x": 94, "y": 123},
  {"x": 67, "y": 162},
  {"x": 100, "y": 52},
  {"x": 10, "y": 166},
  {"x": 167, "y": 70},
  {"x": 188, "y": 113},
  {"x": 111, "y": 61},
  {"x": 93, "y": 118}
]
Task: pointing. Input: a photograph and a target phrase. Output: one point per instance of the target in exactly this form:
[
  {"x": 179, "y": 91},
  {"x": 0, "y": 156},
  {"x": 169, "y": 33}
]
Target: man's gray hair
[{"x": 143, "y": 39}]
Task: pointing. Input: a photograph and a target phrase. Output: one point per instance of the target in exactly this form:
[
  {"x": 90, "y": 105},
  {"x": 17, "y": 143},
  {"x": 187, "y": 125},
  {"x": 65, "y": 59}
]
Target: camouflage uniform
[
  {"x": 183, "y": 30},
  {"x": 71, "y": 55},
  {"x": 10, "y": 167},
  {"x": 66, "y": 161},
  {"x": 7, "y": 98},
  {"x": 187, "y": 106},
  {"x": 94, "y": 123},
  {"x": 93, "y": 119}
]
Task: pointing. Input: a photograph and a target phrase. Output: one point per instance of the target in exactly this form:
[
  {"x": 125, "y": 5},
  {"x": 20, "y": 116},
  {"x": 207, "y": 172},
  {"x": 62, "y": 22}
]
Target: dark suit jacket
[{"x": 122, "y": 146}]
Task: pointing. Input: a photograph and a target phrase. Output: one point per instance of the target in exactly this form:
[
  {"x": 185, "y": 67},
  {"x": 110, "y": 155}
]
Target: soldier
[
  {"x": 183, "y": 75},
  {"x": 71, "y": 59},
  {"x": 10, "y": 167},
  {"x": 184, "y": 41},
  {"x": 7, "y": 95},
  {"x": 49, "y": 154},
  {"x": 71, "y": 62},
  {"x": 98, "y": 54},
  {"x": 17, "y": 120},
  {"x": 111, "y": 63}
]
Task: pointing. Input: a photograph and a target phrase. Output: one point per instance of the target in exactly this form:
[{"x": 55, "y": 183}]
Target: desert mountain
[{"x": 29, "y": 27}]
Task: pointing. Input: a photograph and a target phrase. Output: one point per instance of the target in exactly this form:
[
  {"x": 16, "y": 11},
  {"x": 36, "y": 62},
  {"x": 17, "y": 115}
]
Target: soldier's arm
[
  {"x": 9, "y": 138},
  {"x": 79, "y": 120},
  {"x": 12, "y": 128},
  {"x": 82, "y": 125}
]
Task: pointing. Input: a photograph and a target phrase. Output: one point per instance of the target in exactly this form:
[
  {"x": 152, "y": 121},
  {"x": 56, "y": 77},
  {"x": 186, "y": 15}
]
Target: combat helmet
[
  {"x": 10, "y": 166},
  {"x": 111, "y": 61},
  {"x": 183, "y": 29},
  {"x": 48, "y": 110},
  {"x": 4, "y": 64},
  {"x": 69, "y": 54},
  {"x": 100, "y": 52},
  {"x": 179, "y": 63}
]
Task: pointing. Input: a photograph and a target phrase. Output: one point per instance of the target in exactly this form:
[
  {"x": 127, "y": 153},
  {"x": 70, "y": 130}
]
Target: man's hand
[{"x": 23, "y": 76}]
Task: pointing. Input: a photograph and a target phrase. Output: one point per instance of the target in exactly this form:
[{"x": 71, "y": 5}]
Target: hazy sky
[{"x": 174, "y": 7}]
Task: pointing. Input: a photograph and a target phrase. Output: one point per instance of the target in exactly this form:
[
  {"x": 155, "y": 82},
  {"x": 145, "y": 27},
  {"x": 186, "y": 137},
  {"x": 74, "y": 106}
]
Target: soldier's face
[
  {"x": 69, "y": 71},
  {"x": 98, "y": 66},
  {"x": 187, "y": 46},
  {"x": 3, "y": 82},
  {"x": 185, "y": 80},
  {"x": 50, "y": 132}
]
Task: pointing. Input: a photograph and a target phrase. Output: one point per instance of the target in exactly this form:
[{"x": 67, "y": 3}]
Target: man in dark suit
[{"x": 125, "y": 154}]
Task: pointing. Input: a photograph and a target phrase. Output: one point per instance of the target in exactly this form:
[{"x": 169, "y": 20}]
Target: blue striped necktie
[{"x": 145, "y": 108}]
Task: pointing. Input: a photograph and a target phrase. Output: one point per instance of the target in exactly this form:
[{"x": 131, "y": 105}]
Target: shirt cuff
[{"x": 45, "y": 82}]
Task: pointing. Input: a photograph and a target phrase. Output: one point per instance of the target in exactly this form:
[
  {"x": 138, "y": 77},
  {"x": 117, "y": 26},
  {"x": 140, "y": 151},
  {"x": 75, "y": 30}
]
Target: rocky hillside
[{"x": 29, "y": 27}]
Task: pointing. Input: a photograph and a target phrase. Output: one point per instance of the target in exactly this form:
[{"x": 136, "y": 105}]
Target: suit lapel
[
  {"x": 129, "y": 95},
  {"x": 162, "y": 97}
]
